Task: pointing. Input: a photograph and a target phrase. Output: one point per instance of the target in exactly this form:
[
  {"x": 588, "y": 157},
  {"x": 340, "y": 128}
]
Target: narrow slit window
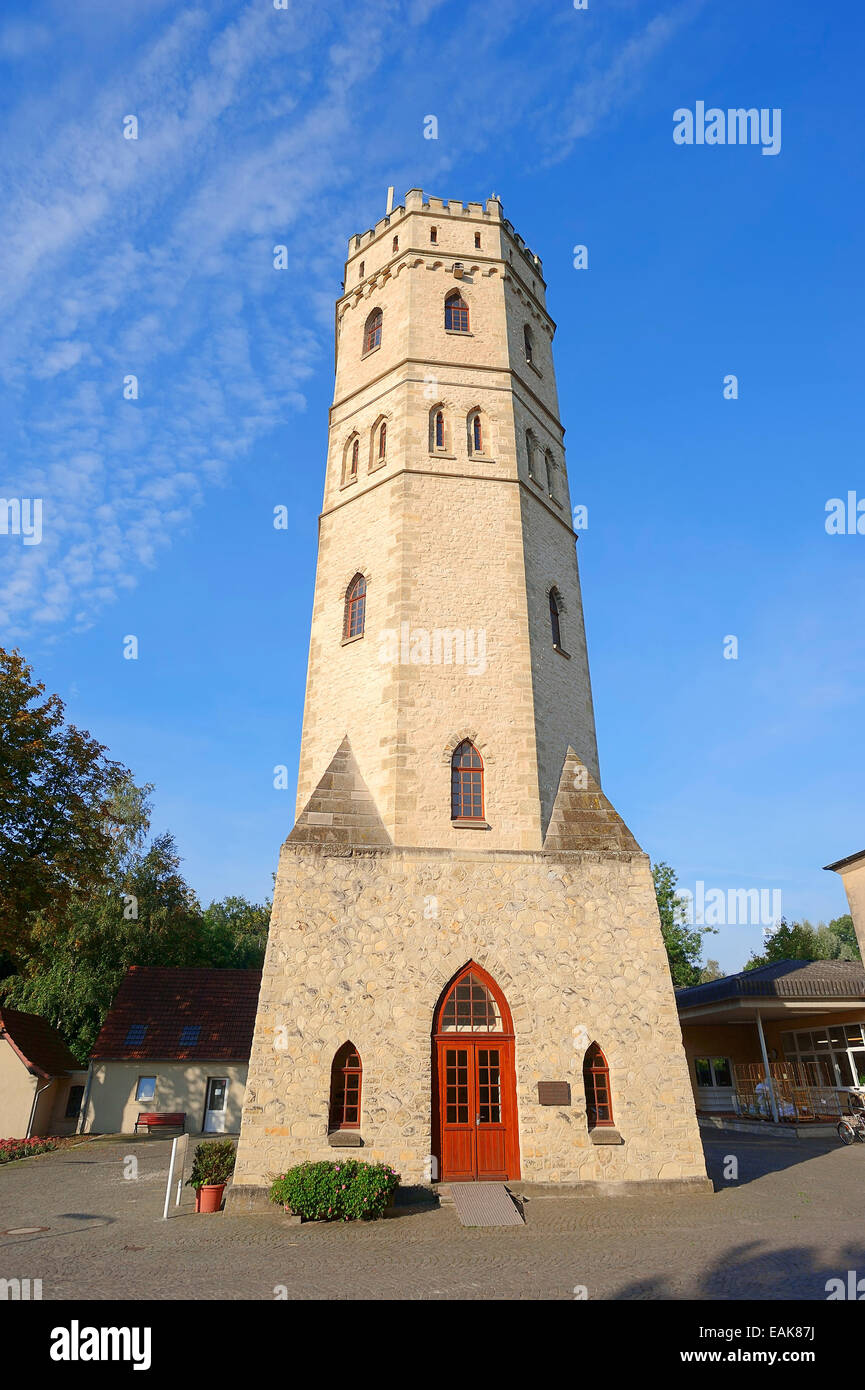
[
  {"x": 346, "y": 1076},
  {"x": 555, "y": 622},
  {"x": 439, "y": 430},
  {"x": 355, "y": 608},
  {"x": 596, "y": 1077}
]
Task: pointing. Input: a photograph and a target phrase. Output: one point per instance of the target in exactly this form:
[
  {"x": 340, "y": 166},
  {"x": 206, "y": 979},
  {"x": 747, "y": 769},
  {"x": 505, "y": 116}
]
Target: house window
[
  {"x": 439, "y": 430},
  {"x": 456, "y": 313},
  {"x": 190, "y": 1034},
  {"x": 713, "y": 1071},
  {"x": 345, "y": 1081},
  {"x": 555, "y": 624},
  {"x": 372, "y": 332},
  {"x": 73, "y": 1102},
  {"x": 836, "y": 1053},
  {"x": 596, "y": 1079},
  {"x": 470, "y": 1008},
  {"x": 136, "y": 1034},
  {"x": 467, "y": 783},
  {"x": 396, "y": 243},
  {"x": 478, "y": 240},
  {"x": 433, "y": 234},
  {"x": 355, "y": 607},
  {"x": 146, "y": 1088},
  {"x": 382, "y": 441},
  {"x": 527, "y": 342}
]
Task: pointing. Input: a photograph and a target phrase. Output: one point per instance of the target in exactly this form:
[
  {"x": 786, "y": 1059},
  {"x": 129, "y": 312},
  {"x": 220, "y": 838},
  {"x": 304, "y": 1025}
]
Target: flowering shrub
[
  {"x": 10, "y": 1149},
  {"x": 345, "y": 1190}
]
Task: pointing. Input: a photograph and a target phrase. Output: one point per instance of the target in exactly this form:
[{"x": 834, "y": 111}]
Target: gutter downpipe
[{"x": 772, "y": 1099}]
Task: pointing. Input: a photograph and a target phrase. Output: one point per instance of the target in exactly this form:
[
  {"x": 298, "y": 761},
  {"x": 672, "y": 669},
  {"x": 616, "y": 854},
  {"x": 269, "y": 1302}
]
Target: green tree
[
  {"x": 235, "y": 933},
  {"x": 711, "y": 971},
  {"x": 56, "y": 787},
  {"x": 802, "y": 941},
  {"x": 684, "y": 944}
]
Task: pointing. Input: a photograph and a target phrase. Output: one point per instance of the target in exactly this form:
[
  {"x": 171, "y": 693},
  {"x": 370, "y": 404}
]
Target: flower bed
[
  {"x": 332, "y": 1191},
  {"x": 10, "y": 1149}
]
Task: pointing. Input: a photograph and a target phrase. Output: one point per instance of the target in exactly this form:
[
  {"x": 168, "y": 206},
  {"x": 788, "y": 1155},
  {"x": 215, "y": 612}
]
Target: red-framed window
[
  {"x": 382, "y": 441},
  {"x": 440, "y": 429},
  {"x": 355, "y": 607},
  {"x": 372, "y": 332},
  {"x": 596, "y": 1078},
  {"x": 478, "y": 240},
  {"x": 456, "y": 313},
  {"x": 433, "y": 234},
  {"x": 555, "y": 624},
  {"x": 470, "y": 1007},
  {"x": 467, "y": 783},
  {"x": 477, "y": 435},
  {"x": 346, "y": 1075}
]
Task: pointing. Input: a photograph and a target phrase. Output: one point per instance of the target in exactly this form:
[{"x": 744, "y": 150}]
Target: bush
[
  {"x": 212, "y": 1164},
  {"x": 10, "y": 1149},
  {"x": 336, "y": 1191}
]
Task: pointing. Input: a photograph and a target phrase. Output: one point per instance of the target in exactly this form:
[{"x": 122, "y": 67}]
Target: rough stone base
[{"x": 362, "y": 945}]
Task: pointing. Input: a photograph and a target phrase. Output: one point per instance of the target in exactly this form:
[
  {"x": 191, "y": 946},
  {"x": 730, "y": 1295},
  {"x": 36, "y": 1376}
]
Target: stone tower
[{"x": 452, "y": 841}]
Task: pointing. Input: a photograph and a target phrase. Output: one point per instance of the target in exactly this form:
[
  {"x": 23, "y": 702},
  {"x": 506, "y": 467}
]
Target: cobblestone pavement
[{"x": 792, "y": 1221}]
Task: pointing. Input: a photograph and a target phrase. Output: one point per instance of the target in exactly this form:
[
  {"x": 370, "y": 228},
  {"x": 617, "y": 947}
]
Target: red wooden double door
[{"x": 475, "y": 1103}]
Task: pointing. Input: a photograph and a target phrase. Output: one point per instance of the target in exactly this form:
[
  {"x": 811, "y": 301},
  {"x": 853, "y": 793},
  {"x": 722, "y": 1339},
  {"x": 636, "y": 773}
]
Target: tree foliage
[
  {"x": 56, "y": 786},
  {"x": 684, "y": 944},
  {"x": 835, "y": 940}
]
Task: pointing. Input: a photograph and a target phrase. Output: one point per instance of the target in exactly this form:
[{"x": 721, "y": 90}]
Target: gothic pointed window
[
  {"x": 372, "y": 331},
  {"x": 476, "y": 437},
  {"x": 355, "y": 608},
  {"x": 346, "y": 1075},
  {"x": 470, "y": 1007},
  {"x": 456, "y": 313},
  {"x": 439, "y": 429},
  {"x": 530, "y": 453},
  {"x": 467, "y": 783},
  {"x": 527, "y": 342},
  {"x": 596, "y": 1079},
  {"x": 382, "y": 441},
  {"x": 353, "y": 457},
  {"x": 555, "y": 624},
  {"x": 551, "y": 472}
]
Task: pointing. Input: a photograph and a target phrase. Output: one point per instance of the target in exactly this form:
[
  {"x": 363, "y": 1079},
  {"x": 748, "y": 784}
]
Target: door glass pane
[
  {"x": 842, "y": 1062},
  {"x": 858, "y": 1060},
  {"x": 456, "y": 1086},
  {"x": 702, "y": 1071},
  {"x": 489, "y": 1086}
]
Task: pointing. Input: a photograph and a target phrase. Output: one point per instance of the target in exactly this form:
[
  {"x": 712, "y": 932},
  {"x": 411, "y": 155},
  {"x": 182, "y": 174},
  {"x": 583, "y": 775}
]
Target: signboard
[{"x": 554, "y": 1093}]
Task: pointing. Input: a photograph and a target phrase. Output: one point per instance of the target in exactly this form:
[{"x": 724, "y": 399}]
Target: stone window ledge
[
  {"x": 471, "y": 825},
  {"x": 605, "y": 1134},
  {"x": 369, "y": 352},
  {"x": 440, "y": 454},
  {"x": 346, "y": 641},
  {"x": 345, "y": 1139}
]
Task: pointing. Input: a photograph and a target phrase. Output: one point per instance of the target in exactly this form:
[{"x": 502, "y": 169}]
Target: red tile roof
[
  {"x": 165, "y": 1000},
  {"x": 38, "y": 1043}
]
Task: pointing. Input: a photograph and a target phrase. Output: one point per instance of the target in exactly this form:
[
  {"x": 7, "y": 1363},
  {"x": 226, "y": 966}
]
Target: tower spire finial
[{"x": 390, "y": 200}]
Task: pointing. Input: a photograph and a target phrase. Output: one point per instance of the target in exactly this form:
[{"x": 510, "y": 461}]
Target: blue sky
[{"x": 706, "y": 516}]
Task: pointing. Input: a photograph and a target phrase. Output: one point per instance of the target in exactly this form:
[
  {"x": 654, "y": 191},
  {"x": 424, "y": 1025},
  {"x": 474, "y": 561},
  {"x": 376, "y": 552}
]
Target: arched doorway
[{"x": 475, "y": 1136}]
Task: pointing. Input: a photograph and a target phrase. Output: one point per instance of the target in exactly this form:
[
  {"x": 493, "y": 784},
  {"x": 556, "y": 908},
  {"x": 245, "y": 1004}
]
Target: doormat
[{"x": 485, "y": 1204}]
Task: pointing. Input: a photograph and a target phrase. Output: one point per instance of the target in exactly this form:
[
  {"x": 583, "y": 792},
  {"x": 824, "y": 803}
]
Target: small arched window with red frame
[
  {"x": 467, "y": 783},
  {"x": 355, "y": 608},
  {"x": 456, "y": 313},
  {"x": 372, "y": 331},
  {"x": 596, "y": 1078},
  {"x": 346, "y": 1075}
]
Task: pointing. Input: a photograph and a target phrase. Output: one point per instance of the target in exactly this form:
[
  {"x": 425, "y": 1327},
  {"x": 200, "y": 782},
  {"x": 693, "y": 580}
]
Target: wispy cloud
[{"x": 153, "y": 257}]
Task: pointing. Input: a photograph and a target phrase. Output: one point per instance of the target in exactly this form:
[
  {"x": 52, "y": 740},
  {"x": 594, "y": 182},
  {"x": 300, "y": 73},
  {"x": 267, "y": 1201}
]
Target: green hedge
[{"x": 345, "y": 1190}]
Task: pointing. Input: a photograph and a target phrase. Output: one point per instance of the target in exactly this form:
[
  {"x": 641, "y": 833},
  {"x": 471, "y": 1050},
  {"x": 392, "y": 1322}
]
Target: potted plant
[{"x": 212, "y": 1166}]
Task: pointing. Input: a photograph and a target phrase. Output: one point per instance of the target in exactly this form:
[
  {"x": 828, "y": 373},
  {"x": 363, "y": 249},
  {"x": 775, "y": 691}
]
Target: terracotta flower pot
[{"x": 209, "y": 1197}]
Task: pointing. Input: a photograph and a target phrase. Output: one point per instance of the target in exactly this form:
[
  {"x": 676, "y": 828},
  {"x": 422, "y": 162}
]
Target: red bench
[{"x": 169, "y": 1121}]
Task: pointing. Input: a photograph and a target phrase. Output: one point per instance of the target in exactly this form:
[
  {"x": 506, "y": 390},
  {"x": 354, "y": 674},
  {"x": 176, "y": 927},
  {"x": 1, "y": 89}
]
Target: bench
[{"x": 167, "y": 1121}]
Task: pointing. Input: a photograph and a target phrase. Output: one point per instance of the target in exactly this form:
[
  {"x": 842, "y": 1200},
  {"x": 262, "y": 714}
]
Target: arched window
[
  {"x": 352, "y": 453},
  {"x": 439, "y": 429},
  {"x": 555, "y": 610},
  {"x": 372, "y": 331},
  {"x": 476, "y": 436},
  {"x": 527, "y": 342},
  {"x": 355, "y": 607},
  {"x": 456, "y": 313},
  {"x": 467, "y": 783},
  {"x": 382, "y": 441},
  {"x": 596, "y": 1078},
  {"x": 345, "y": 1079},
  {"x": 551, "y": 472},
  {"x": 470, "y": 1007},
  {"x": 530, "y": 452}
]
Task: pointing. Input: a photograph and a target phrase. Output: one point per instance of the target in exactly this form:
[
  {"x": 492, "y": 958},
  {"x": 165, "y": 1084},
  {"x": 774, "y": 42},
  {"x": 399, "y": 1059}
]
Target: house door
[
  {"x": 474, "y": 1102},
  {"x": 214, "y": 1106}
]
